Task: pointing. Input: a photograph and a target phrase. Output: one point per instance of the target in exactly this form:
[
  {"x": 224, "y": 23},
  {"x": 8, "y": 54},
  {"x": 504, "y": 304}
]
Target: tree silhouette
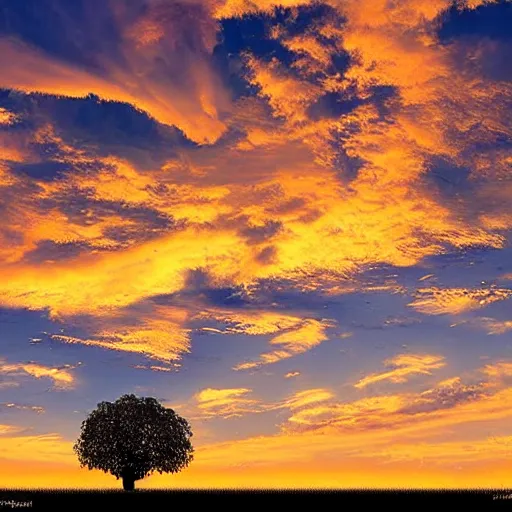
[{"x": 133, "y": 437}]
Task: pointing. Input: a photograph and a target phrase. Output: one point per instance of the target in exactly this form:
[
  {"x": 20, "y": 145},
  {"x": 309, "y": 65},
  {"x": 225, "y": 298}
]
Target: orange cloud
[
  {"x": 238, "y": 402},
  {"x": 275, "y": 83},
  {"x": 157, "y": 332},
  {"x": 315, "y": 56},
  {"x": 295, "y": 334},
  {"x": 454, "y": 301},
  {"x": 493, "y": 326},
  {"x": 255, "y": 323},
  {"x": 499, "y": 370},
  {"x": 306, "y": 398},
  {"x": 404, "y": 365},
  {"x": 8, "y": 429},
  {"x": 297, "y": 341},
  {"x": 182, "y": 90},
  {"x": 70, "y": 286},
  {"x": 226, "y": 403},
  {"x": 6, "y": 118},
  {"x": 61, "y": 377},
  {"x": 237, "y": 8}
]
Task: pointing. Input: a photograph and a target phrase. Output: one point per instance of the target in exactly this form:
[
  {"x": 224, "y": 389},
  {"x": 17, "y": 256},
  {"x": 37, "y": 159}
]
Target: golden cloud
[
  {"x": 306, "y": 398},
  {"x": 238, "y": 8},
  {"x": 498, "y": 370},
  {"x": 404, "y": 366},
  {"x": 254, "y": 323},
  {"x": 493, "y": 326},
  {"x": 6, "y": 117},
  {"x": 152, "y": 343},
  {"x": 296, "y": 341},
  {"x": 454, "y": 301},
  {"x": 237, "y": 402},
  {"x": 61, "y": 377},
  {"x": 225, "y": 403},
  {"x": 182, "y": 90},
  {"x": 9, "y": 429}
]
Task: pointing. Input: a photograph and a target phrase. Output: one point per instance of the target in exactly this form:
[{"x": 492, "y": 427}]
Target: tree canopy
[{"x": 133, "y": 437}]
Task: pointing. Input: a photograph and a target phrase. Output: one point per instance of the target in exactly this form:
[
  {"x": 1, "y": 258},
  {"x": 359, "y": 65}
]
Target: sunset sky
[{"x": 289, "y": 221}]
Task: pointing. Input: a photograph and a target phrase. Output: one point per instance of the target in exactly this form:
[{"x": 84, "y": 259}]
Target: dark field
[{"x": 62, "y": 499}]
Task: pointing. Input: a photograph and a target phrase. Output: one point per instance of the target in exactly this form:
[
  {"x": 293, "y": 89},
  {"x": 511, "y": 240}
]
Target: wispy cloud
[
  {"x": 21, "y": 407},
  {"x": 440, "y": 301},
  {"x": 9, "y": 429},
  {"x": 225, "y": 403},
  {"x": 156, "y": 368},
  {"x": 494, "y": 326},
  {"x": 498, "y": 371},
  {"x": 61, "y": 376},
  {"x": 404, "y": 366},
  {"x": 182, "y": 90},
  {"x": 158, "y": 332},
  {"x": 238, "y": 402},
  {"x": 306, "y": 398},
  {"x": 293, "y": 342}
]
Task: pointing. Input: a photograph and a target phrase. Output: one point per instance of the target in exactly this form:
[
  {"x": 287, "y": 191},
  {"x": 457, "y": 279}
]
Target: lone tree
[{"x": 133, "y": 437}]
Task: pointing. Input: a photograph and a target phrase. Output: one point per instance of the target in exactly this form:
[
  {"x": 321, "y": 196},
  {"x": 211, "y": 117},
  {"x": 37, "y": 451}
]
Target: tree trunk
[{"x": 128, "y": 483}]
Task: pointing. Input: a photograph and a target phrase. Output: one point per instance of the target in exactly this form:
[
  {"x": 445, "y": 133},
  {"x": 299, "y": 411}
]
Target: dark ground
[{"x": 64, "y": 499}]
